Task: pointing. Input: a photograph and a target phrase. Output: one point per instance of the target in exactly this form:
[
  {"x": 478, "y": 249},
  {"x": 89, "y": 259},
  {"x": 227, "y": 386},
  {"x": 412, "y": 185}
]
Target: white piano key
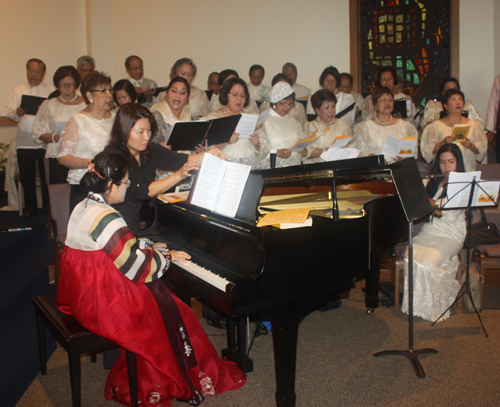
[{"x": 206, "y": 275}]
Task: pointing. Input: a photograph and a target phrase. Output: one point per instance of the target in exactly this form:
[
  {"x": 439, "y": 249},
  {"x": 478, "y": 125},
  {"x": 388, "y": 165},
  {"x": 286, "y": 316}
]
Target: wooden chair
[{"x": 76, "y": 340}]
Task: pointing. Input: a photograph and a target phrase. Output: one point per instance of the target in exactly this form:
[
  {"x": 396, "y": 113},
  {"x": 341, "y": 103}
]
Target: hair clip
[{"x": 91, "y": 168}]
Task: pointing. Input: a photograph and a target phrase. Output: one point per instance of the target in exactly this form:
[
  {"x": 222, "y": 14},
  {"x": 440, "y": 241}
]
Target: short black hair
[
  {"x": 347, "y": 75},
  {"x": 449, "y": 79},
  {"x": 321, "y": 96},
  {"x": 379, "y": 92},
  {"x": 280, "y": 77},
  {"x": 126, "y": 85},
  {"x": 255, "y": 67},
  {"x": 91, "y": 81},
  {"x": 180, "y": 79},
  {"x": 110, "y": 167},
  {"x": 329, "y": 70},
  {"x": 383, "y": 70},
  {"x": 38, "y": 61},
  {"x": 226, "y": 73},
  {"x": 449, "y": 93},
  {"x": 130, "y": 58}
]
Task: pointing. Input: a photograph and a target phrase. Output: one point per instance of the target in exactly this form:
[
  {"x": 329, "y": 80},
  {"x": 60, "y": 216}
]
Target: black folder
[
  {"x": 346, "y": 110},
  {"x": 400, "y": 108},
  {"x": 30, "y": 104},
  {"x": 187, "y": 135}
]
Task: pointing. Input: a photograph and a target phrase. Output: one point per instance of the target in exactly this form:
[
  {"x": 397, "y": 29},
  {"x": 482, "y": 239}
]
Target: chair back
[
  {"x": 489, "y": 171},
  {"x": 59, "y": 206}
]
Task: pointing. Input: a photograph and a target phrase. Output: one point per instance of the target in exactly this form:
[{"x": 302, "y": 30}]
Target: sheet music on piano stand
[{"x": 459, "y": 189}]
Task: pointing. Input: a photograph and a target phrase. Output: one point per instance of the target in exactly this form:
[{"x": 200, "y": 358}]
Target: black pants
[
  {"x": 28, "y": 159},
  {"x": 76, "y": 195},
  {"x": 57, "y": 173}
]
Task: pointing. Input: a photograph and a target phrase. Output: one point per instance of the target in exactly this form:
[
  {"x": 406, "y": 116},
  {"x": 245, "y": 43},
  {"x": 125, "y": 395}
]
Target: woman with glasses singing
[
  {"x": 234, "y": 97},
  {"x": 53, "y": 115},
  {"x": 281, "y": 129},
  {"x": 87, "y": 132}
]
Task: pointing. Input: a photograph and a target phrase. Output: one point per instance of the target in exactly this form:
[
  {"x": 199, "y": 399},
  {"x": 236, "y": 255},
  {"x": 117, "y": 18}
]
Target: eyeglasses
[
  {"x": 127, "y": 183},
  {"x": 287, "y": 104},
  {"x": 104, "y": 90},
  {"x": 67, "y": 85},
  {"x": 136, "y": 68},
  {"x": 236, "y": 95}
]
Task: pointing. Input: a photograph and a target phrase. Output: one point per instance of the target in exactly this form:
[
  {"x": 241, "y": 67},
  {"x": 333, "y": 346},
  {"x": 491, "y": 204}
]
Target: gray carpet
[{"x": 335, "y": 364}]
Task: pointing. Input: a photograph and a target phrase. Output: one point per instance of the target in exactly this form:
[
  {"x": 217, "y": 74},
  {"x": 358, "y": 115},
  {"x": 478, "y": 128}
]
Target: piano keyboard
[{"x": 203, "y": 273}]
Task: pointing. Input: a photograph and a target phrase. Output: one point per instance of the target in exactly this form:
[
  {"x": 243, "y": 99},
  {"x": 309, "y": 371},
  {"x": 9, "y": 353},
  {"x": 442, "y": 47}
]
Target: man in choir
[
  {"x": 301, "y": 92},
  {"x": 213, "y": 83},
  {"x": 85, "y": 65},
  {"x": 346, "y": 87},
  {"x": 143, "y": 86},
  {"x": 492, "y": 124},
  {"x": 29, "y": 153},
  {"x": 257, "y": 90}
]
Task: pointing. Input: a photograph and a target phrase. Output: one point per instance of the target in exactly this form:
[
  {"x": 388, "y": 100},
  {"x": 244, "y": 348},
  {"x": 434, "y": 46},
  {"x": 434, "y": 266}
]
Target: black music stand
[
  {"x": 416, "y": 205},
  {"x": 465, "y": 288}
]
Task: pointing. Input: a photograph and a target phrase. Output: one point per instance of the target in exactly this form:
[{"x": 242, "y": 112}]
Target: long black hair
[
  {"x": 106, "y": 167},
  {"x": 433, "y": 184}
]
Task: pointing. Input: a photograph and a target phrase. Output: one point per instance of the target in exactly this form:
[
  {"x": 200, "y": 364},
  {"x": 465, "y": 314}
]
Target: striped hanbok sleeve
[{"x": 111, "y": 233}]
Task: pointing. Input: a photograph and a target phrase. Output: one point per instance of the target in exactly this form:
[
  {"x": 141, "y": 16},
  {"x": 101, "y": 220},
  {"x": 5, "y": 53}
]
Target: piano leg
[
  {"x": 285, "y": 333},
  {"x": 372, "y": 280},
  {"x": 236, "y": 342}
]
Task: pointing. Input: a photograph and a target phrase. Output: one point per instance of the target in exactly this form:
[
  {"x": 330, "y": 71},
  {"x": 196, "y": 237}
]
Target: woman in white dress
[
  {"x": 298, "y": 111},
  {"x": 433, "y": 108},
  {"x": 281, "y": 129},
  {"x": 325, "y": 127},
  {"x": 174, "y": 108},
  {"x": 371, "y": 135},
  {"x": 87, "y": 132},
  {"x": 234, "y": 98},
  {"x": 330, "y": 80},
  {"x": 387, "y": 77},
  {"x": 436, "y": 247},
  {"x": 53, "y": 115},
  {"x": 438, "y": 133}
]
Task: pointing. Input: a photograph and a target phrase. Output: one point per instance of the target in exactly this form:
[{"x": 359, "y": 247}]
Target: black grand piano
[{"x": 240, "y": 269}]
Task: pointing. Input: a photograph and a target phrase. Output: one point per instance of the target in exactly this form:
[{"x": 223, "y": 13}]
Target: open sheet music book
[
  {"x": 395, "y": 147},
  {"x": 459, "y": 187},
  {"x": 219, "y": 185}
]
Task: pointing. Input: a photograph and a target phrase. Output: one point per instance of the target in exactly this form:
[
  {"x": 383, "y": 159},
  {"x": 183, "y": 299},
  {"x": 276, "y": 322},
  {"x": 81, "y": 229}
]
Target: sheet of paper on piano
[
  {"x": 394, "y": 147},
  {"x": 173, "y": 197},
  {"x": 298, "y": 215},
  {"x": 335, "y": 154},
  {"x": 219, "y": 185}
]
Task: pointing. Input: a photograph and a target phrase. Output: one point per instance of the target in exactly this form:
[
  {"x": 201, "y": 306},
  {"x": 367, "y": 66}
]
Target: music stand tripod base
[{"x": 412, "y": 355}]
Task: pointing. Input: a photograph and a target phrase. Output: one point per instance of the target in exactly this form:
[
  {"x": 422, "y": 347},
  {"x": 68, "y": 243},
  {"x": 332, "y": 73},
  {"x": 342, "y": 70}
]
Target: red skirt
[{"x": 175, "y": 359}]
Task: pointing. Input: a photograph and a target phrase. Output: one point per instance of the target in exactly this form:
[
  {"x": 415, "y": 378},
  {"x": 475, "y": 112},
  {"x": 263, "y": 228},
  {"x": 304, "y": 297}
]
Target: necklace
[
  {"x": 68, "y": 101},
  {"x": 327, "y": 125},
  {"x": 384, "y": 124}
]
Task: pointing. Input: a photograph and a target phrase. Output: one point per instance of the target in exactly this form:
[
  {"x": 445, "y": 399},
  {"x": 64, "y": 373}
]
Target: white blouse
[
  {"x": 169, "y": 118},
  {"x": 438, "y": 130},
  {"x": 370, "y": 137},
  {"x": 343, "y": 100},
  {"x": 260, "y": 92},
  {"x": 433, "y": 110},
  {"x": 84, "y": 137},
  {"x": 198, "y": 101},
  {"x": 368, "y": 111},
  {"x": 325, "y": 136},
  {"x": 282, "y": 133},
  {"x": 51, "y": 114}
]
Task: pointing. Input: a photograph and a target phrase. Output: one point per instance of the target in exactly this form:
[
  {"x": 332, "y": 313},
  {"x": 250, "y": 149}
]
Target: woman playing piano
[
  {"x": 436, "y": 247},
  {"x": 131, "y": 138},
  {"x": 113, "y": 288}
]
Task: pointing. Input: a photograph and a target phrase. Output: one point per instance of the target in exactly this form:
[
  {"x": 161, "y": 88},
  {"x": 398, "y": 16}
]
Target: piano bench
[{"x": 76, "y": 340}]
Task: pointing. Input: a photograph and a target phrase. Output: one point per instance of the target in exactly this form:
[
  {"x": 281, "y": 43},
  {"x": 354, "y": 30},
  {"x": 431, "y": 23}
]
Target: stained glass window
[{"x": 413, "y": 36}]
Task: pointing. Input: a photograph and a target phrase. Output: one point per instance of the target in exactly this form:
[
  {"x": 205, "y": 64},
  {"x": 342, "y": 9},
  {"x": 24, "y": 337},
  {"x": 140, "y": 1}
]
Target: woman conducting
[
  {"x": 439, "y": 133},
  {"x": 131, "y": 138},
  {"x": 436, "y": 247},
  {"x": 87, "y": 132},
  {"x": 371, "y": 135},
  {"x": 53, "y": 116},
  {"x": 281, "y": 130},
  {"x": 234, "y": 98},
  {"x": 325, "y": 127},
  {"x": 113, "y": 288}
]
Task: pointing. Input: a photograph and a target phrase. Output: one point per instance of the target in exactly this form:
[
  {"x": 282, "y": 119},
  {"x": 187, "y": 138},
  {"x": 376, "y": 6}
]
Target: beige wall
[{"x": 217, "y": 34}]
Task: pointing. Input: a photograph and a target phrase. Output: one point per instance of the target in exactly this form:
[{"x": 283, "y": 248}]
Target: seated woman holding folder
[
  {"x": 281, "y": 129},
  {"x": 330, "y": 80},
  {"x": 386, "y": 77},
  {"x": 436, "y": 247},
  {"x": 131, "y": 138},
  {"x": 325, "y": 128},
  {"x": 174, "y": 108},
  {"x": 371, "y": 135},
  {"x": 233, "y": 98},
  {"x": 439, "y": 133},
  {"x": 113, "y": 287},
  {"x": 433, "y": 108}
]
